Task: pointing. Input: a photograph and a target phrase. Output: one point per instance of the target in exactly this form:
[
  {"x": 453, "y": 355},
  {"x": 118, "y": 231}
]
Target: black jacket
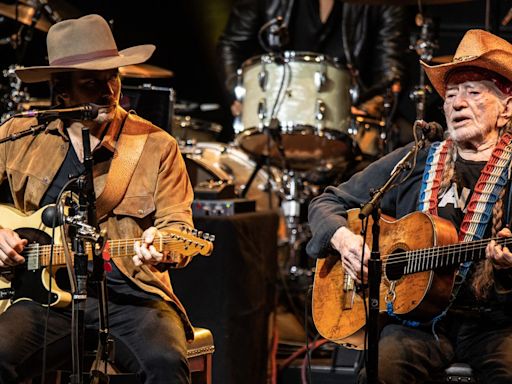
[{"x": 372, "y": 37}]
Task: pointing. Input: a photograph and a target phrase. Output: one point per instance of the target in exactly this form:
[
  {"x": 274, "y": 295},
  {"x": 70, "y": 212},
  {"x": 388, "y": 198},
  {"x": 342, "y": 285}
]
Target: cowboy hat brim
[
  {"x": 128, "y": 56},
  {"x": 496, "y": 60}
]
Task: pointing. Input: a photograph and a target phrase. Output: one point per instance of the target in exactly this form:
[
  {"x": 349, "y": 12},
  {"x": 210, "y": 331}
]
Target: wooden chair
[{"x": 199, "y": 355}]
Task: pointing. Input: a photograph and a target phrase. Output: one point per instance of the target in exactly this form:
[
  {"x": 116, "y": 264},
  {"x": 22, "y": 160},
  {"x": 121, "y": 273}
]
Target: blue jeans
[{"x": 149, "y": 340}]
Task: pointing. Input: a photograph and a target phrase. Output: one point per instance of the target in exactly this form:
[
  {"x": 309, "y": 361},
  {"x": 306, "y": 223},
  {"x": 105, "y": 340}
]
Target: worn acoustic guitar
[
  {"x": 31, "y": 280},
  {"x": 419, "y": 254}
]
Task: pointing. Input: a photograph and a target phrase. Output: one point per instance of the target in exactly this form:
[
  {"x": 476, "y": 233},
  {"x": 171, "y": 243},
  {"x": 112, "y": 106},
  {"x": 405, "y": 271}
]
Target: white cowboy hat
[{"x": 83, "y": 44}]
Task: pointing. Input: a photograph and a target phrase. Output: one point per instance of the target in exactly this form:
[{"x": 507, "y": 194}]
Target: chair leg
[{"x": 202, "y": 372}]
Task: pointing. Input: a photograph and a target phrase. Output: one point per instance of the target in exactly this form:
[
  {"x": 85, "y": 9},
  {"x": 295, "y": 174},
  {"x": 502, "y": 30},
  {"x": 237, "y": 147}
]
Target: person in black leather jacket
[{"x": 368, "y": 39}]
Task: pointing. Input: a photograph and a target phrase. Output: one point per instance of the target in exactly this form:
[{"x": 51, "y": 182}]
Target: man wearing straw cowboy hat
[
  {"x": 146, "y": 192},
  {"x": 465, "y": 179}
]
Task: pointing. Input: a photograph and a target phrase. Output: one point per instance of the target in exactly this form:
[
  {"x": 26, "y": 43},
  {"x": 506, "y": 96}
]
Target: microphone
[
  {"x": 50, "y": 217},
  {"x": 278, "y": 34},
  {"x": 87, "y": 111},
  {"x": 432, "y": 131}
]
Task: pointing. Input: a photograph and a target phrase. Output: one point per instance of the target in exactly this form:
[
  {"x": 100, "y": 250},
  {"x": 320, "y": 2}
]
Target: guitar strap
[
  {"x": 127, "y": 153},
  {"x": 492, "y": 180}
]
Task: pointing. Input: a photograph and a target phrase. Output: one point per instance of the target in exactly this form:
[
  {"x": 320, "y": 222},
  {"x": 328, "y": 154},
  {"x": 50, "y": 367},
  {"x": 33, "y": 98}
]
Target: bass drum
[{"x": 221, "y": 162}]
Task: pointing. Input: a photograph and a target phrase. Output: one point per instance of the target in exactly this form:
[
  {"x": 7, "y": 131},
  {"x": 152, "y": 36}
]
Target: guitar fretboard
[
  {"x": 38, "y": 256},
  {"x": 420, "y": 260}
]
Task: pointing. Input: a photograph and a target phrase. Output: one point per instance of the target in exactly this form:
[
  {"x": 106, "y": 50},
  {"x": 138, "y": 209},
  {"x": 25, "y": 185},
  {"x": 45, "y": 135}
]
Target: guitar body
[
  {"x": 34, "y": 284},
  {"x": 337, "y": 305}
]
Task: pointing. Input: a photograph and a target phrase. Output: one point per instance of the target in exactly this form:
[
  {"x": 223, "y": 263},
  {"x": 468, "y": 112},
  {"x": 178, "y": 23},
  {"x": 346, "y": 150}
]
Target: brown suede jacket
[{"x": 159, "y": 193}]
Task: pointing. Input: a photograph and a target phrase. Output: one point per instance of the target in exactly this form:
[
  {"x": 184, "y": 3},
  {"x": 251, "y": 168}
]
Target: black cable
[{"x": 50, "y": 265}]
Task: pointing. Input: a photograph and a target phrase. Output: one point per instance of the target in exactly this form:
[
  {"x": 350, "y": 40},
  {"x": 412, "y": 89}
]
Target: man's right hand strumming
[{"x": 350, "y": 246}]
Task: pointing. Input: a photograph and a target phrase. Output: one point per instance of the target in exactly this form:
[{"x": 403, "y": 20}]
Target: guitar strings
[
  {"x": 422, "y": 255},
  {"x": 43, "y": 250}
]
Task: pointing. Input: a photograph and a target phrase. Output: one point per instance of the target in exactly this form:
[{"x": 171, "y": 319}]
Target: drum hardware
[
  {"x": 294, "y": 193},
  {"x": 320, "y": 77},
  {"x": 390, "y": 135},
  {"x": 424, "y": 47}
]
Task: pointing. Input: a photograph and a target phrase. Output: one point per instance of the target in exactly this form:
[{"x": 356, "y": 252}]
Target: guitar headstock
[{"x": 192, "y": 241}]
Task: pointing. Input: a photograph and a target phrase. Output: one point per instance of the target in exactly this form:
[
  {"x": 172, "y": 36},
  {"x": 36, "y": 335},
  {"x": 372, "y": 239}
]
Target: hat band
[{"x": 84, "y": 57}]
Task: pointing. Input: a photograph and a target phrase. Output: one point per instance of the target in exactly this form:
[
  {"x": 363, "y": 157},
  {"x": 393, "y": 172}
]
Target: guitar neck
[
  {"x": 38, "y": 256},
  {"x": 420, "y": 260}
]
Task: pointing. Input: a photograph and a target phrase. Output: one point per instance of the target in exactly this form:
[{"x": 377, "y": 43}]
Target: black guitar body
[{"x": 27, "y": 283}]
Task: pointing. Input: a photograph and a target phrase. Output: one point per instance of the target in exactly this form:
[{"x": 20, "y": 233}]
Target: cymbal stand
[
  {"x": 424, "y": 47},
  {"x": 293, "y": 193}
]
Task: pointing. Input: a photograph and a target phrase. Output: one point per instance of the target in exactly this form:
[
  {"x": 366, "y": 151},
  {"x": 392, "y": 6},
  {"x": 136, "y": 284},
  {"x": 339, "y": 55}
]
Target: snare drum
[
  {"x": 308, "y": 94},
  {"x": 221, "y": 162}
]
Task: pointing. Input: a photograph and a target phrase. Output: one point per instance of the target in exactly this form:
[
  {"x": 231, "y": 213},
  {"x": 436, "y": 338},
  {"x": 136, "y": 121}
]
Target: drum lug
[
  {"x": 239, "y": 89},
  {"x": 262, "y": 109},
  {"x": 320, "y": 77},
  {"x": 263, "y": 77},
  {"x": 320, "y": 109}
]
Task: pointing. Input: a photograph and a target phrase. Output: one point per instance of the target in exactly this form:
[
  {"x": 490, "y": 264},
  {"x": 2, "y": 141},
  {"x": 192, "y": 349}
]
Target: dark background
[{"x": 186, "y": 35}]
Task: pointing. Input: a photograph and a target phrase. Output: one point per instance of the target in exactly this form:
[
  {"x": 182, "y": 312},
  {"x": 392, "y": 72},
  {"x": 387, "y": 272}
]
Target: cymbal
[
  {"x": 442, "y": 59},
  {"x": 145, "y": 71},
  {"x": 24, "y": 15},
  {"x": 406, "y": 2}
]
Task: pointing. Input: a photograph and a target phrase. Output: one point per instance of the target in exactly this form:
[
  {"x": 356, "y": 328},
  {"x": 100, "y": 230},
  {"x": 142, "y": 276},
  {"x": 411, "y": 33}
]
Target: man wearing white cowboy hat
[
  {"x": 143, "y": 191},
  {"x": 464, "y": 179}
]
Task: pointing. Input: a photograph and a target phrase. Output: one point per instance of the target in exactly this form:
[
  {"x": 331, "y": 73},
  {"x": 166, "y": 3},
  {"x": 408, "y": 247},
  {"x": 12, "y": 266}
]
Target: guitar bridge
[{"x": 349, "y": 292}]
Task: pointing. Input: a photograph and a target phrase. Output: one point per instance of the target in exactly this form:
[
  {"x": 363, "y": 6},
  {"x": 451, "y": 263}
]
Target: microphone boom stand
[
  {"x": 87, "y": 201},
  {"x": 375, "y": 263}
]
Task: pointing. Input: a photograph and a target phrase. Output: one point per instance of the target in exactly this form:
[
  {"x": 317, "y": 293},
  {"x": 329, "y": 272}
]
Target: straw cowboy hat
[
  {"x": 479, "y": 49},
  {"x": 83, "y": 44}
]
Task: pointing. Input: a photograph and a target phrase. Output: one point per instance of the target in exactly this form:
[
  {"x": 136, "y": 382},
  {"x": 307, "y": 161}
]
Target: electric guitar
[
  {"x": 419, "y": 254},
  {"x": 31, "y": 280}
]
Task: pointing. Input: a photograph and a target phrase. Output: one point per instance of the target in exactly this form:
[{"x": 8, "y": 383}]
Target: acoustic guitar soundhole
[{"x": 395, "y": 265}]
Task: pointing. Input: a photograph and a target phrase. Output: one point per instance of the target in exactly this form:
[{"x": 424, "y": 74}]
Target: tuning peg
[
  {"x": 194, "y": 232},
  {"x": 212, "y": 238},
  {"x": 199, "y": 234}
]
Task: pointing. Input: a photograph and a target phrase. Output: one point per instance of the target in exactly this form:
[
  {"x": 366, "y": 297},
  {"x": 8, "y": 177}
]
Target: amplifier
[
  {"x": 151, "y": 103},
  {"x": 226, "y": 207}
]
